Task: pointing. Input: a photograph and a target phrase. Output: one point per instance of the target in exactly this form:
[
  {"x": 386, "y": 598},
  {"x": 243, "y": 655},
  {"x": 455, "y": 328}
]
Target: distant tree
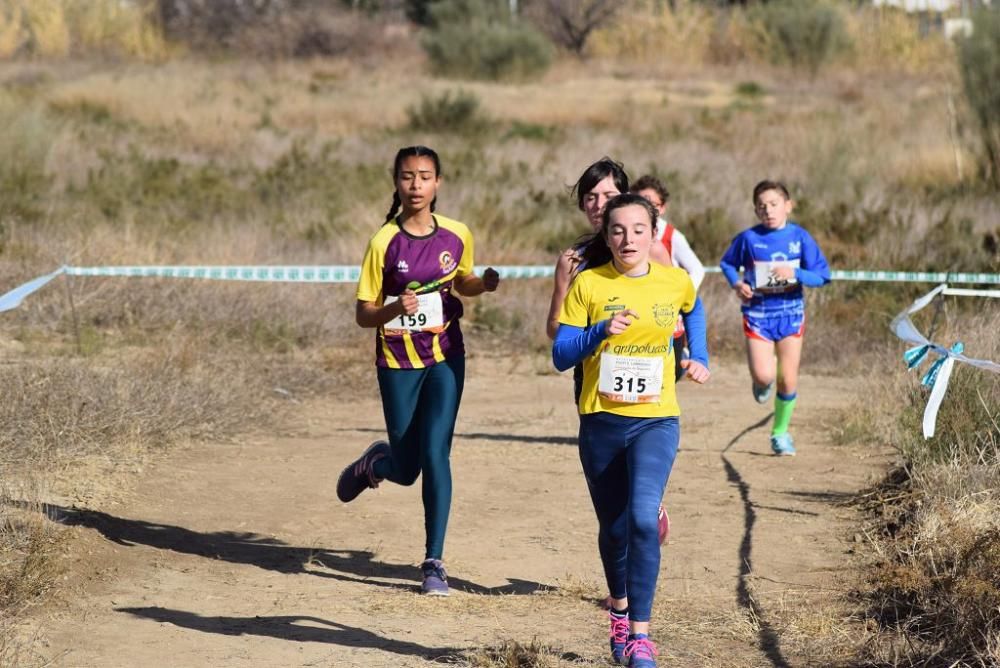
[
  {"x": 571, "y": 22},
  {"x": 215, "y": 20},
  {"x": 419, "y": 11}
]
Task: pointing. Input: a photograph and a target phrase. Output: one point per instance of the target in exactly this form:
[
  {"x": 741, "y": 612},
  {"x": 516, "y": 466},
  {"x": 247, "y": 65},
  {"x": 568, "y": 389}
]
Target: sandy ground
[{"x": 240, "y": 554}]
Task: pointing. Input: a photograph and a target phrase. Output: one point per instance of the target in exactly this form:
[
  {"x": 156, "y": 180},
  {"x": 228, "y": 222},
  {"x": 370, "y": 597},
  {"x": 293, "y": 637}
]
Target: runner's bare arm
[
  {"x": 564, "y": 276},
  {"x": 370, "y": 314},
  {"x": 471, "y": 285}
]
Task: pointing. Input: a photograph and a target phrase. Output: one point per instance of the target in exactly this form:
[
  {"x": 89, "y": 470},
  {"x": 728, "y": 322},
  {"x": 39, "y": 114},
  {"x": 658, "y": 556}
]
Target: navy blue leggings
[
  {"x": 627, "y": 462},
  {"x": 420, "y": 407}
]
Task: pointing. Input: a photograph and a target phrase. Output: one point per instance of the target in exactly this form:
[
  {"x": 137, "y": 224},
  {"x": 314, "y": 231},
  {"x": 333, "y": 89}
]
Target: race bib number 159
[{"x": 429, "y": 316}]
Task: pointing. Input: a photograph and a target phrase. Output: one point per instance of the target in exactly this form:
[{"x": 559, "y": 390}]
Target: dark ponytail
[
  {"x": 402, "y": 154},
  {"x": 596, "y": 173}
]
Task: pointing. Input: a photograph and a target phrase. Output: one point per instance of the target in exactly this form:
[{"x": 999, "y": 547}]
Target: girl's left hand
[
  {"x": 491, "y": 279},
  {"x": 696, "y": 371}
]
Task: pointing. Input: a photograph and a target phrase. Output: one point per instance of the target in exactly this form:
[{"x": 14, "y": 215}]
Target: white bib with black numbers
[
  {"x": 630, "y": 380},
  {"x": 429, "y": 315},
  {"x": 765, "y": 280}
]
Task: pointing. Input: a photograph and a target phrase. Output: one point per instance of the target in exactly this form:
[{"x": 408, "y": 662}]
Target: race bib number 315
[
  {"x": 630, "y": 380},
  {"x": 428, "y": 318}
]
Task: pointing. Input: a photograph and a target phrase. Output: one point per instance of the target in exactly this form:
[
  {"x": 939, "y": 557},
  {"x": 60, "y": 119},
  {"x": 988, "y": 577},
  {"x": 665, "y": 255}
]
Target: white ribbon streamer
[
  {"x": 903, "y": 327},
  {"x": 13, "y": 299}
]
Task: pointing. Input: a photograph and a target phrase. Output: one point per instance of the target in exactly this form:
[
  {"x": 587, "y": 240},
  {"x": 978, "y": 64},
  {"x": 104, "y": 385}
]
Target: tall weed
[
  {"x": 59, "y": 28},
  {"x": 979, "y": 60}
]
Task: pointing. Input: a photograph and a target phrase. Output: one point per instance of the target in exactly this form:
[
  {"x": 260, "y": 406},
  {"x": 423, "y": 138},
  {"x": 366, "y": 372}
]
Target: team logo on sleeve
[
  {"x": 664, "y": 314},
  {"x": 447, "y": 262}
]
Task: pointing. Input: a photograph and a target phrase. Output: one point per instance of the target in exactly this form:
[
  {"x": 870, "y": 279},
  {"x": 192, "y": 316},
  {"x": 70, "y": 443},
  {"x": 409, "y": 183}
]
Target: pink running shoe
[
  {"x": 641, "y": 651},
  {"x": 663, "y": 524},
  {"x": 619, "y": 636}
]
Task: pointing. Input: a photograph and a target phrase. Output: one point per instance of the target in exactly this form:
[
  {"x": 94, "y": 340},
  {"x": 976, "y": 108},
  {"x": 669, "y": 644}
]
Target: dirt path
[{"x": 241, "y": 555}]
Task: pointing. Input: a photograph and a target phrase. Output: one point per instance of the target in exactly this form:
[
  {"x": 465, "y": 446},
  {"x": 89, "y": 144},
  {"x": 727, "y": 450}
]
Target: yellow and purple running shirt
[{"x": 428, "y": 265}]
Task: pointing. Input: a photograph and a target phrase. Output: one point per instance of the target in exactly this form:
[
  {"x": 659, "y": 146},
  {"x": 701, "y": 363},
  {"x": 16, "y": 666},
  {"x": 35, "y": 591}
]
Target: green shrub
[
  {"x": 803, "y": 33},
  {"x": 979, "y": 61},
  {"x": 457, "y": 113},
  {"x": 162, "y": 189},
  {"x": 25, "y": 139},
  {"x": 531, "y": 132},
  {"x": 750, "y": 89},
  {"x": 477, "y": 40}
]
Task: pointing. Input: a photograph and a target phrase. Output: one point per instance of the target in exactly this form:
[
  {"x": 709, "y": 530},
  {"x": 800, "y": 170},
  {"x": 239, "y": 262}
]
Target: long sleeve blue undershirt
[
  {"x": 811, "y": 279},
  {"x": 573, "y": 344}
]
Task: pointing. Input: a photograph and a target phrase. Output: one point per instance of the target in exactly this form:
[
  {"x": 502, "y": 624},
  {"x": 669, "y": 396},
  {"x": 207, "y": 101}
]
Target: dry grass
[
  {"x": 59, "y": 28},
  {"x": 513, "y": 654},
  {"x": 651, "y": 37},
  {"x": 932, "y": 594},
  {"x": 31, "y": 564},
  {"x": 237, "y": 163}
]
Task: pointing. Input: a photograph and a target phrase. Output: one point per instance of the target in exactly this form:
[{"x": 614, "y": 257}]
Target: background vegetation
[{"x": 187, "y": 131}]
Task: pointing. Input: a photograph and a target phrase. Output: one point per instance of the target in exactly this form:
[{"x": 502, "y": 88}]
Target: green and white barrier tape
[{"x": 350, "y": 274}]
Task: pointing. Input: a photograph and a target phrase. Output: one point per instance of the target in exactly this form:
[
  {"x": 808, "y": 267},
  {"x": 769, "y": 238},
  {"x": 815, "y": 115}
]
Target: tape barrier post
[{"x": 939, "y": 374}]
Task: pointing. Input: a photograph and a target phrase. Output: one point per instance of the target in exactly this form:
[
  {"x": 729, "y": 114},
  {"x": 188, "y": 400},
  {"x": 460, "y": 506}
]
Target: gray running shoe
[
  {"x": 761, "y": 392},
  {"x": 435, "y": 579}
]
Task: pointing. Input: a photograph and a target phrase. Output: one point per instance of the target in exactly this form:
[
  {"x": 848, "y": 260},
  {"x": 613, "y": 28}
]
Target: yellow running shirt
[{"x": 631, "y": 373}]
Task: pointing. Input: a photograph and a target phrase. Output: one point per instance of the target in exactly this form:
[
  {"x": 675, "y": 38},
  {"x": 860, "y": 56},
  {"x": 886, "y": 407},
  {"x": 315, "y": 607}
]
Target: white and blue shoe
[{"x": 782, "y": 445}]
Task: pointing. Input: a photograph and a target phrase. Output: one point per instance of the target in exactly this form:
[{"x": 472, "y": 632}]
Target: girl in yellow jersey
[
  {"x": 413, "y": 269},
  {"x": 600, "y": 182},
  {"x": 618, "y": 319}
]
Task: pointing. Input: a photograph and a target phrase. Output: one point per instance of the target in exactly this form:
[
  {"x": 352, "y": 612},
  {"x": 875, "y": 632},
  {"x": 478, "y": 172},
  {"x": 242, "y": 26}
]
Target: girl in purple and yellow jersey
[
  {"x": 777, "y": 258},
  {"x": 618, "y": 320},
  {"x": 413, "y": 268}
]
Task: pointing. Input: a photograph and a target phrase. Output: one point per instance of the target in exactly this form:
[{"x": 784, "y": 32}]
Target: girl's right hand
[
  {"x": 743, "y": 291},
  {"x": 408, "y": 302},
  {"x": 619, "y": 322}
]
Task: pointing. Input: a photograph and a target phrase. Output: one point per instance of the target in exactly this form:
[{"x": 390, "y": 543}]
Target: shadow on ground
[
  {"x": 269, "y": 553},
  {"x": 298, "y": 628}
]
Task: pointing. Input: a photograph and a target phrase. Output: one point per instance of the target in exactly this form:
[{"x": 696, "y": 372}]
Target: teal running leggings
[{"x": 420, "y": 406}]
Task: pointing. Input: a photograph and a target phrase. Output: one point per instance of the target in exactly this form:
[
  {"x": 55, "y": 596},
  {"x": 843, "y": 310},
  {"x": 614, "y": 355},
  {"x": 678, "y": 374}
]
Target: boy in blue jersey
[{"x": 777, "y": 258}]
